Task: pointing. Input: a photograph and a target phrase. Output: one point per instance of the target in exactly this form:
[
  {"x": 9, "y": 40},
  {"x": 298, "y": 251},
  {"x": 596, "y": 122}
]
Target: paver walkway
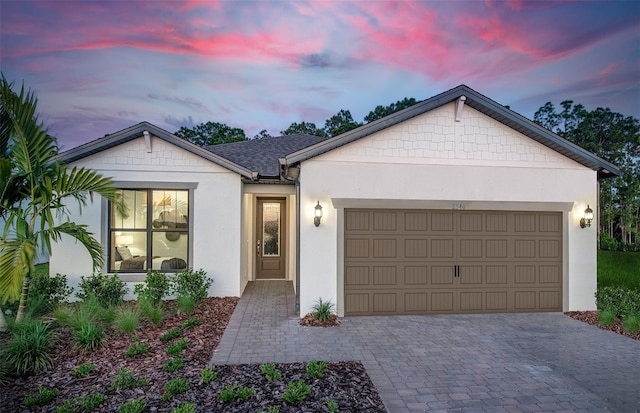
[{"x": 544, "y": 362}]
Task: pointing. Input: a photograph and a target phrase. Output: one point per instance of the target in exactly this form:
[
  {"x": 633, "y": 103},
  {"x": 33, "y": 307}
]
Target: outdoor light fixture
[
  {"x": 317, "y": 214},
  {"x": 585, "y": 222}
]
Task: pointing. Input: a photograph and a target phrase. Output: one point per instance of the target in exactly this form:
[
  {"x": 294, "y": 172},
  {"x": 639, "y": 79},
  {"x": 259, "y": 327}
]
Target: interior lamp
[
  {"x": 317, "y": 214},
  {"x": 585, "y": 221}
]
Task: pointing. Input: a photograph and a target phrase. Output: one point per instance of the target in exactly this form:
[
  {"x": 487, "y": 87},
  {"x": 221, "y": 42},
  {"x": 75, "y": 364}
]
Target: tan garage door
[{"x": 438, "y": 262}]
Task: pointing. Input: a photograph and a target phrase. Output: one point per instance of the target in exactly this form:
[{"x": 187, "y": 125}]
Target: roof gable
[
  {"x": 478, "y": 102},
  {"x": 137, "y": 131}
]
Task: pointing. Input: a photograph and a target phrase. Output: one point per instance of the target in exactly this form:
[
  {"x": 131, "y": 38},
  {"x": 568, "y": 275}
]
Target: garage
[{"x": 451, "y": 261}]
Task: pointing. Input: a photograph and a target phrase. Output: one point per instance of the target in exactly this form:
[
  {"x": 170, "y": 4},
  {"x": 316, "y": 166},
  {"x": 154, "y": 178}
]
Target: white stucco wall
[
  {"x": 433, "y": 162},
  {"x": 217, "y": 210}
]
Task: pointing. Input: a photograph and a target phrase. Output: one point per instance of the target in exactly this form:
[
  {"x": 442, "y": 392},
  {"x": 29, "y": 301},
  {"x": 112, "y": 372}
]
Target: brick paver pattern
[{"x": 540, "y": 362}]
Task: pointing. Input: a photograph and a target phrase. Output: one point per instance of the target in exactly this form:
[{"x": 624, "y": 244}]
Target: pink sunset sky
[{"x": 100, "y": 66}]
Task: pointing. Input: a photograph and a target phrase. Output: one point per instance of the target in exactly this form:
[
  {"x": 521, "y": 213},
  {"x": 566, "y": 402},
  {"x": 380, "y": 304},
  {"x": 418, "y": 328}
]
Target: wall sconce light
[
  {"x": 317, "y": 215},
  {"x": 585, "y": 221}
]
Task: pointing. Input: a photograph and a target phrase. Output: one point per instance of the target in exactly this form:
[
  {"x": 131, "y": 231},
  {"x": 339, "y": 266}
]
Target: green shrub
[
  {"x": 171, "y": 334},
  {"x": 173, "y": 365},
  {"x": 177, "y": 347},
  {"x": 186, "y": 303},
  {"x": 44, "y": 396},
  {"x": 89, "y": 336},
  {"x": 109, "y": 290},
  {"x": 128, "y": 319},
  {"x": 270, "y": 372},
  {"x": 83, "y": 370},
  {"x": 134, "y": 406},
  {"x": 137, "y": 348},
  {"x": 606, "y": 317},
  {"x": 81, "y": 404},
  {"x": 322, "y": 309},
  {"x": 153, "y": 312},
  {"x": 192, "y": 322},
  {"x": 125, "y": 380},
  {"x": 208, "y": 375},
  {"x": 175, "y": 386},
  {"x": 5, "y": 370},
  {"x": 156, "y": 287},
  {"x": 622, "y": 301},
  {"x": 315, "y": 369},
  {"x": 184, "y": 408},
  {"x": 631, "y": 323},
  {"x": 51, "y": 290},
  {"x": 28, "y": 350},
  {"x": 192, "y": 283},
  {"x": 296, "y": 391},
  {"x": 234, "y": 391},
  {"x": 332, "y": 406}
]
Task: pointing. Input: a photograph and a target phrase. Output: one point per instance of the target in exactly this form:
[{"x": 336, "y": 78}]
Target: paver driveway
[{"x": 543, "y": 362}]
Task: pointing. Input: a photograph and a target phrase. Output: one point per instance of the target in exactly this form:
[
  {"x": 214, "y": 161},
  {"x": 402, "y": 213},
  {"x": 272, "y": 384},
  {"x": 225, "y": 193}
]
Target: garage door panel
[{"x": 439, "y": 262}]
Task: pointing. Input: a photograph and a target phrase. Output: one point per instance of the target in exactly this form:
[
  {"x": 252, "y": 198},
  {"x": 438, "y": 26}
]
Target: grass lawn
[{"x": 618, "y": 268}]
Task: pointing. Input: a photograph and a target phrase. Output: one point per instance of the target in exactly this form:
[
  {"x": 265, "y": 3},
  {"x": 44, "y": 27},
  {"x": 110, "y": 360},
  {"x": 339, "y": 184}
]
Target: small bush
[
  {"x": 175, "y": 386},
  {"x": 177, "y": 347},
  {"x": 127, "y": 320},
  {"x": 322, "y": 309},
  {"x": 192, "y": 322},
  {"x": 173, "y": 365},
  {"x": 606, "y": 317},
  {"x": 83, "y": 370},
  {"x": 89, "y": 336},
  {"x": 137, "y": 348},
  {"x": 125, "y": 380},
  {"x": 186, "y": 303},
  {"x": 156, "y": 287},
  {"x": 208, "y": 375},
  {"x": 296, "y": 391},
  {"x": 52, "y": 290},
  {"x": 631, "y": 323},
  {"x": 621, "y": 300},
  {"x": 81, "y": 404},
  {"x": 234, "y": 391},
  {"x": 109, "y": 290},
  {"x": 192, "y": 283},
  {"x": 28, "y": 349},
  {"x": 134, "y": 406},
  {"x": 171, "y": 334},
  {"x": 315, "y": 369},
  {"x": 184, "y": 408},
  {"x": 332, "y": 406},
  {"x": 153, "y": 312},
  {"x": 270, "y": 372},
  {"x": 44, "y": 396}
]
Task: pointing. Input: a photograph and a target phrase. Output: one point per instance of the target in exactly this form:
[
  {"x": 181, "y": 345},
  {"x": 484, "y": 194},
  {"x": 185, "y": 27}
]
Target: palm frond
[
  {"x": 16, "y": 261},
  {"x": 80, "y": 233}
]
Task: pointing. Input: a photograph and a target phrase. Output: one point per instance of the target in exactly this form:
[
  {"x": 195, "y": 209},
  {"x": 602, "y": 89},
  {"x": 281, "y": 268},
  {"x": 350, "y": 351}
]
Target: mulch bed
[
  {"x": 591, "y": 317},
  {"x": 309, "y": 320},
  {"x": 347, "y": 383}
]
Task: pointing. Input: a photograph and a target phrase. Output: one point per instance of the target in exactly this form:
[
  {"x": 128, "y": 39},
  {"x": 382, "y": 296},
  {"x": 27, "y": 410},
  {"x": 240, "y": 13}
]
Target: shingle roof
[{"x": 261, "y": 155}]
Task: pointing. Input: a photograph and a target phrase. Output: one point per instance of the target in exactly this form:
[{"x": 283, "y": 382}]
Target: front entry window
[
  {"x": 271, "y": 229},
  {"x": 154, "y": 235}
]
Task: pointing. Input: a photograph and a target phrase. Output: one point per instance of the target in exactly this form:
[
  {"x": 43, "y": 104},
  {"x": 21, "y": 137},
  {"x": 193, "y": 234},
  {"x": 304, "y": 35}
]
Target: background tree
[
  {"x": 211, "y": 133},
  {"x": 34, "y": 189},
  {"x": 616, "y": 138},
  {"x": 382, "y": 111},
  {"x": 304, "y": 128},
  {"x": 263, "y": 134},
  {"x": 340, "y": 123}
]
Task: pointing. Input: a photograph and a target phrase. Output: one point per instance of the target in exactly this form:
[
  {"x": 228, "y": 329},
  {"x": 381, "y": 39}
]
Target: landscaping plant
[
  {"x": 83, "y": 370},
  {"x": 173, "y": 365},
  {"x": 175, "y": 386},
  {"x": 108, "y": 290},
  {"x": 192, "y": 322},
  {"x": 177, "y": 347},
  {"x": 52, "y": 291},
  {"x": 28, "y": 349},
  {"x": 190, "y": 283},
  {"x": 127, "y": 319},
  {"x": 234, "y": 391},
  {"x": 137, "y": 348},
  {"x": 153, "y": 312},
  {"x": 81, "y": 404},
  {"x": 89, "y": 336},
  {"x": 322, "y": 310},
  {"x": 156, "y": 287},
  {"x": 125, "y": 380},
  {"x": 296, "y": 391},
  {"x": 315, "y": 369},
  {"x": 186, "y": 303},
  {"x": 44, "y": 396},
  {"x": 270, "y": 372},
  {"x": 332, "y": 406},
  {"x": 171, "y": 334},
  {"x": 208, "y": 375},
  {"x": 606, "y": 317},
  {"x": 134, "y": 406},
  {"x": 184, "y": 408},
  {"x": 631, "y": 323}
]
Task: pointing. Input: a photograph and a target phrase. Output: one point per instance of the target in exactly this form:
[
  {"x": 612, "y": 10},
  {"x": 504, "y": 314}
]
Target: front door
[{"x": 270, "y": 238}]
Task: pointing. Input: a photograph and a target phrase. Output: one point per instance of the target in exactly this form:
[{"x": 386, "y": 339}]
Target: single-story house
[{"x": 454, "y": 205}]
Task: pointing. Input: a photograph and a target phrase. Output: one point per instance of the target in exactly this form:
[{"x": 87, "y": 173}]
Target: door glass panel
[{"x": 271, "y": 229}]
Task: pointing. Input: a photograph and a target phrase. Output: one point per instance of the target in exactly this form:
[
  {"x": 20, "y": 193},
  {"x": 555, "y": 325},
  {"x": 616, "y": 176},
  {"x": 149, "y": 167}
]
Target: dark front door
[{"x": 270, "y": 238}]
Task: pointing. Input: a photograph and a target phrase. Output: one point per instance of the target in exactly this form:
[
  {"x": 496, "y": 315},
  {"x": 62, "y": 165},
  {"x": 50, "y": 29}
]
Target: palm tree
[{"x": 33, "y": 190}]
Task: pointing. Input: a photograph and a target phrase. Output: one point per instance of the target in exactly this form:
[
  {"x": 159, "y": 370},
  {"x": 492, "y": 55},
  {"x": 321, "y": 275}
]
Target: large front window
[{"x": 154, "y": 235}]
